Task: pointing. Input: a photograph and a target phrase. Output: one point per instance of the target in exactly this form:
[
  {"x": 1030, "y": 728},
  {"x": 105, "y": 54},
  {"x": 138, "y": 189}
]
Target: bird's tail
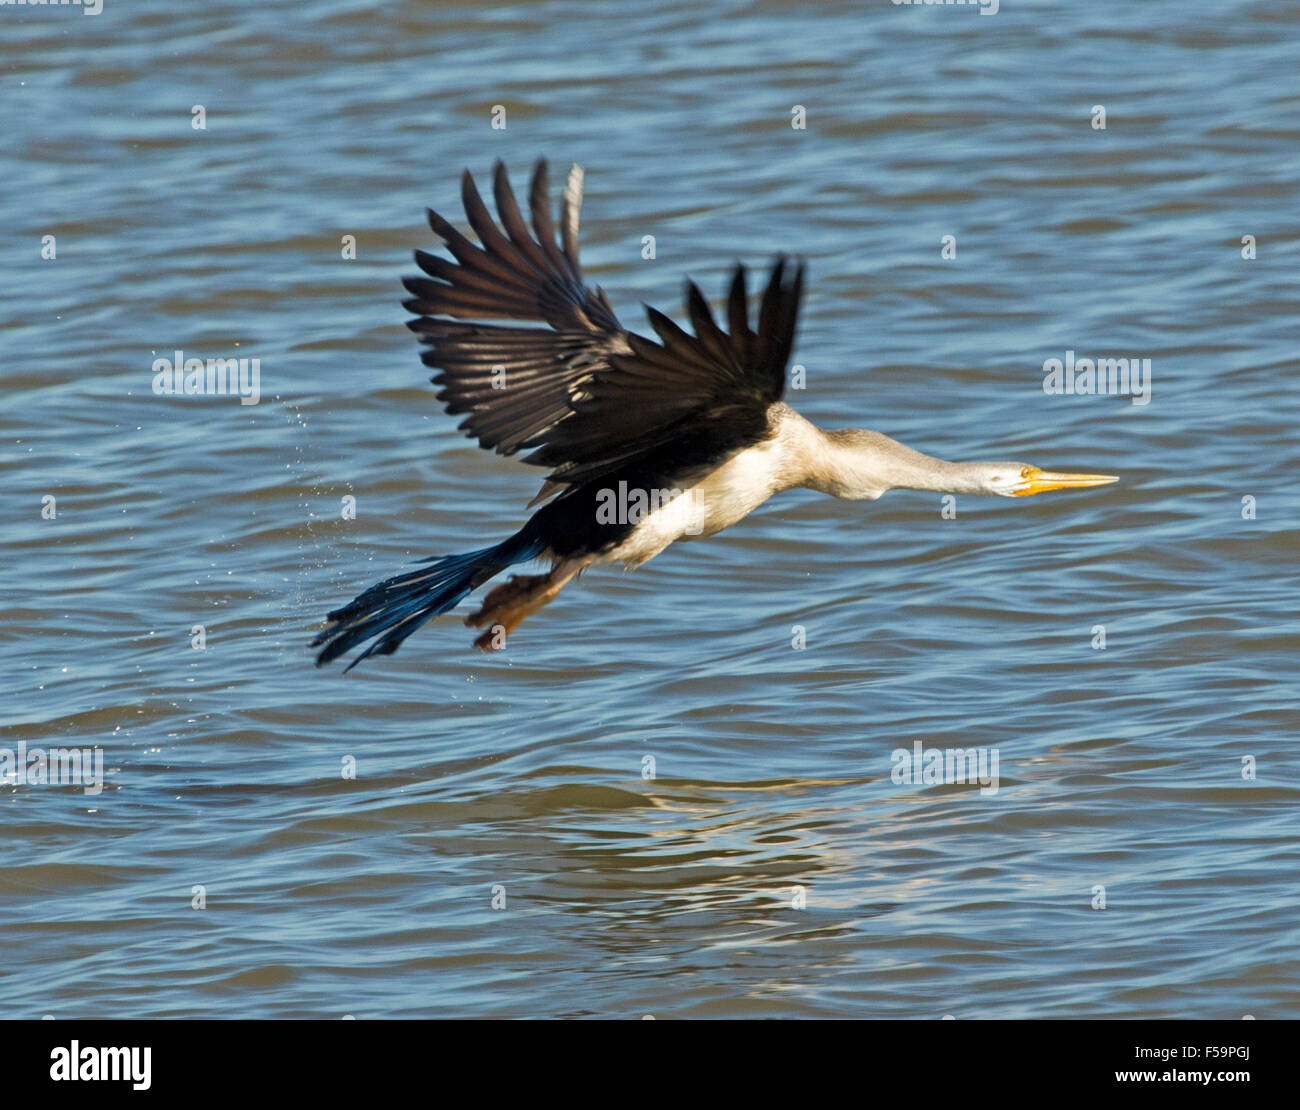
[{"x": 394, "y": 608}]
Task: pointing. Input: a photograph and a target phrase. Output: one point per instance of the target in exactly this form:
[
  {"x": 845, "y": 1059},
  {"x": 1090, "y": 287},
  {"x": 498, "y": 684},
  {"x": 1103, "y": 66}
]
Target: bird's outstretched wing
[{"x": 576, "y": 389}]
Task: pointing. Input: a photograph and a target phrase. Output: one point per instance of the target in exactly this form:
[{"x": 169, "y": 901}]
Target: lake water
[{"x": 684, "y": 813}]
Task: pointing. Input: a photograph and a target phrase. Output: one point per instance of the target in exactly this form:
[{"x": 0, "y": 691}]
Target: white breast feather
[{"x": 722, "y": 497}]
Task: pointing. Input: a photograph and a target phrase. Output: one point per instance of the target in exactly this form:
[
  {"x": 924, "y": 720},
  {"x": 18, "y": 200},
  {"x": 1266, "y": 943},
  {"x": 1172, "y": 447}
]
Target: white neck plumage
[
  {"x": 859, "y": 465},
  {"x": 856, "y": 465}
]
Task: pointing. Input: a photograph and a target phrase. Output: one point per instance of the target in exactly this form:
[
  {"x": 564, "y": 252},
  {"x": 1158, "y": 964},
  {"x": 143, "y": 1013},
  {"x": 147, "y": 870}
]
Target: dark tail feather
[{"x": 398, "y": 606}]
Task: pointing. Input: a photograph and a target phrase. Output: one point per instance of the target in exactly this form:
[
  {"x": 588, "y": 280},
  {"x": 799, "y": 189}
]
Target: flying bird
[{"x": 647, "y": 440}]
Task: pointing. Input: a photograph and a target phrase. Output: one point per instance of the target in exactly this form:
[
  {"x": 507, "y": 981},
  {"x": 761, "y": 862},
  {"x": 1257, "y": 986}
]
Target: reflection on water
[{"x": 652, "y": 803}]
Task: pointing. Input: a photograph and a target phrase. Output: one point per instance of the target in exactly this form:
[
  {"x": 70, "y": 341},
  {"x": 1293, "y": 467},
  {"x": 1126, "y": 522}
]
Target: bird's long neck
[{"x": 860, "y": 465}]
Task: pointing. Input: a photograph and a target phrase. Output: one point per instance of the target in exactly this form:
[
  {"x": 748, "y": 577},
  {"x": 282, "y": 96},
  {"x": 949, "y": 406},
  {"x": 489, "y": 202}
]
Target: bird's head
[{"x": 1014, "y": 479}]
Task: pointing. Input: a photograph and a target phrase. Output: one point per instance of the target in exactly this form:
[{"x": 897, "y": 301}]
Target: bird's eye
[{"x": 1024, "y": 472}]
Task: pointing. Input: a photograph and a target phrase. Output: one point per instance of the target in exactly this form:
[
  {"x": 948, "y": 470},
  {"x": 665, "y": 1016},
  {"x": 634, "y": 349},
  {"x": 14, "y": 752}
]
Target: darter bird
[{"x": 647, "y": 441}]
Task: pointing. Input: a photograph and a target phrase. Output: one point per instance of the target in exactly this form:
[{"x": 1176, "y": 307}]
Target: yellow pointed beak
[{"x": 1039, "y": 481}]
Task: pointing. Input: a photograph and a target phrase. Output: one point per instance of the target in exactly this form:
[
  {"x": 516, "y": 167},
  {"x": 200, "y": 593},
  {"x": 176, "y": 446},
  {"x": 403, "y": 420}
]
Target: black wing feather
[{"x": 581, "y": 393}]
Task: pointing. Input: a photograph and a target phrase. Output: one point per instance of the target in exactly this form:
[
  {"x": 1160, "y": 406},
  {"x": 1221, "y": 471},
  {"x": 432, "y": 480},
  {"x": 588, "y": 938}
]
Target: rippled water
[{"x": 1120, "y": 767}]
